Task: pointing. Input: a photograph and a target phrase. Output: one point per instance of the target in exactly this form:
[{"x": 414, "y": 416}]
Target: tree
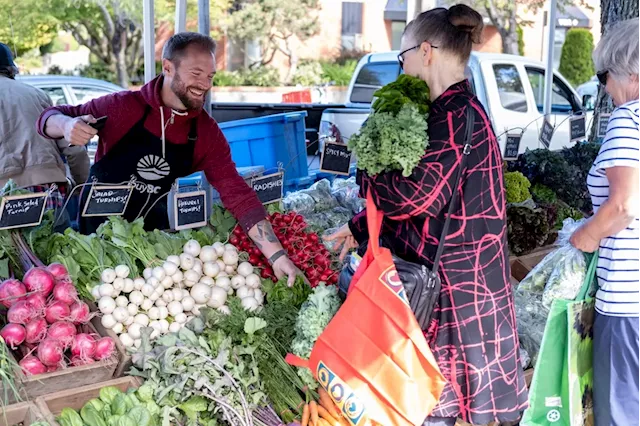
[
  {"x": 275, "y": 24},
  {"x": 576, "y": 63},
  {"x": 24, "y": 27},
  {"x": 611, "y": 11}
]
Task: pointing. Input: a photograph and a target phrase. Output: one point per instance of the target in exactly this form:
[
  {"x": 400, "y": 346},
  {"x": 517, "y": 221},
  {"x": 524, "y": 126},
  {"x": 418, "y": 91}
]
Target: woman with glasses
[
  {"x": 614, "y": 230},
  {"x": 473, "y": 334}
]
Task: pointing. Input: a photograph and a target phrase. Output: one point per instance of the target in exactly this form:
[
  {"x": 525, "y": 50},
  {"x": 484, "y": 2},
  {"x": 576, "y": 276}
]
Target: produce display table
[{"x": 24, "y": 413}]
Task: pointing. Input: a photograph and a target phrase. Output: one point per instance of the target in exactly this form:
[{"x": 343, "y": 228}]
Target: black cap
[{"x": 6, "y": 58}]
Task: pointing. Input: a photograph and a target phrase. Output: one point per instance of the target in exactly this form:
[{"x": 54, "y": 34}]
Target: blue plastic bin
[{"x": 267, "y": 141}]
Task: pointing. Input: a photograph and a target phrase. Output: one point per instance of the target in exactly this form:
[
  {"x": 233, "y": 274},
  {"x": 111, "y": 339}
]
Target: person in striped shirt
[{"x": 614, "y": 230}]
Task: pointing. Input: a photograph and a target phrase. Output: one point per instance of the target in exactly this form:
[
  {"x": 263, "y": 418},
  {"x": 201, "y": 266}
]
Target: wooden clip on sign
[
  {"x": 336, "y": 158},
  {"x": 190, "y": 210},
  {"x": 18, "y": 211},
  {"x": 107, "y": 200},
  {"x": 269, "y": 188}
]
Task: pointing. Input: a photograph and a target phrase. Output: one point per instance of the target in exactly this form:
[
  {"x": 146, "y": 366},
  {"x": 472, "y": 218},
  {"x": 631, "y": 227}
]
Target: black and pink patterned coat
[{"x": 474, "y": 334}]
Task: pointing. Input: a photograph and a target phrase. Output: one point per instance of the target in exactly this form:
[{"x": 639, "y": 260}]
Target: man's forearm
[
  {"x": 265, "y": 238},
  {"x": 54, "y": 127}
]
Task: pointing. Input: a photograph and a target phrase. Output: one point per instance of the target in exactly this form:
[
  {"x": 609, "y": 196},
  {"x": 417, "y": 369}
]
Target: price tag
[
  {"x": 269, "y": 188},
  {"x": 18, "y": 211},
  {"x": 191, "y": 210},
  {"x": 336, "y": 159},
  {"x": 512, "y": 146},
  {"x": 578, "y": 128},
  {"x": 603, "y": 123},
  {"x": 107, "y": 200},
  {"x": 546, "y": 133}
]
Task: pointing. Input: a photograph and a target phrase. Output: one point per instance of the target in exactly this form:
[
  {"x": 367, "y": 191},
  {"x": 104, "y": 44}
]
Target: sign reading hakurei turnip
[
  {"x": 336, "y": 158},
  {"x": 18, "y": 211},
  {"x": 107, "y": 200},
  {"x": 269, "y": 188},
  {"x": 190, "y": 210}
]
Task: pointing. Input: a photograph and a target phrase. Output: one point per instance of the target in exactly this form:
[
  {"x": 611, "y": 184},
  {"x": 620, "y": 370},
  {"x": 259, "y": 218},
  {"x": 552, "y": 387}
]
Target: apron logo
[{"x": 152, "y": 167}]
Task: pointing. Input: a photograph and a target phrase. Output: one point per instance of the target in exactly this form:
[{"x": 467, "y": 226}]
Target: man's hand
[
  {"x": 77, "y": 131},
  {"x": 285, "y": 267},
  {"x": 266, "y": 240},
  {"x": 342, "y": 238}
]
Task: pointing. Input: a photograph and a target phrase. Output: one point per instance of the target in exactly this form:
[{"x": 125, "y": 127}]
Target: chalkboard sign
[
  {"x": 190, "y": 210},
  {"x": 106, "y": 200},
  {"x": 578, "y": 128},
  {"x": 336, "y": 158},
  {"x": 512, "y": 146},
  {"x": 269, "y": 188},
  {"x": 17, "y": 211},
  {"x": 546, "y": 133},
  {"x": 603, "y": 123}
]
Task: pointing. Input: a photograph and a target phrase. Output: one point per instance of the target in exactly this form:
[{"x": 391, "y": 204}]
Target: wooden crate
[
  {"x": 23, "y": 412},
  {"x": 521, "y": 266},
  {"x": 124, "y": 358},
  {"x": 35, "y": 386},
  {"x": 51, "y": 405}
]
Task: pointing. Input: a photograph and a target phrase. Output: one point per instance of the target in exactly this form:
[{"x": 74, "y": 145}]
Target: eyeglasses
[
  {"x": 401, "y": 55},
  {"x": 602, "y": 77}
]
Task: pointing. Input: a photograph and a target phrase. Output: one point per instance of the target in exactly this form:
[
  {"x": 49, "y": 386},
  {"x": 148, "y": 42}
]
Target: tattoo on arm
[{"x": 264, "y": 234}]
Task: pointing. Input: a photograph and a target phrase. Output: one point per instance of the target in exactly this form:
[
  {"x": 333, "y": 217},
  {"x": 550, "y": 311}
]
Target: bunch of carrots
[{"x": 322, "y": 413}]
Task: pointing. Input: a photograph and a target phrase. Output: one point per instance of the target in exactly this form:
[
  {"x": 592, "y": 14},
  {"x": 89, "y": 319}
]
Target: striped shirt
[{"x": 618, "y": 266}]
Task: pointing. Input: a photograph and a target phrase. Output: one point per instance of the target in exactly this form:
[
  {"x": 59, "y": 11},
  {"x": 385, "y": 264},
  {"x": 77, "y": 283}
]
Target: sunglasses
[
  {"x": 401, "y": 55},
  {"x": 602, "y": 77}
]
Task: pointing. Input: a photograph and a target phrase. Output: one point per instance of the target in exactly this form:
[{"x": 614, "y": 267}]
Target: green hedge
[{"x": 576, "y": 63}]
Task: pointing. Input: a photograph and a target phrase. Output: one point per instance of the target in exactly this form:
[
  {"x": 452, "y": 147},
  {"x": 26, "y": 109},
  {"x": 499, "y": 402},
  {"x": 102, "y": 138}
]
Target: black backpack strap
[{"x": 466, "y": 150}]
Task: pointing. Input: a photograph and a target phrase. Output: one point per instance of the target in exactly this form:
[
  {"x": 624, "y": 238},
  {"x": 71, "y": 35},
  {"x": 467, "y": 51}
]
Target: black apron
[{"x": 139, "y": 154}]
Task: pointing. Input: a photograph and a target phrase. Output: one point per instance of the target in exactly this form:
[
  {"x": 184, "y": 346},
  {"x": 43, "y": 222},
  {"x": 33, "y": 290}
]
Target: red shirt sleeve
[{"x": 213, "y": 156}]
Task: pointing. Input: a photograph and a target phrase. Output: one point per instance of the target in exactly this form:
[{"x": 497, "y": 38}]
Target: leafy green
[
  {"x": 517, "y": 187},
  {"x": 543, "y": 194},
  {"x": 389, "y": 142},
  {"x": 145, "y": 392},
  {"x": 193, "y": 406},
  {"x": 313, "y": 318},
  {"x": 96, "y": 403},
  {"x": 91, "y": 416},
  {"x": 223, "y": 223},
  {"x": 527, "y": 228},
  {"x": 108, "y": 394},
  {"x": 120, "y": 405},
  {"x": 69, "y": 417},
  {"x": 280, "y": 291},
  {"x": 406, "y": 89},
  {"x": 140, "y": 416}
]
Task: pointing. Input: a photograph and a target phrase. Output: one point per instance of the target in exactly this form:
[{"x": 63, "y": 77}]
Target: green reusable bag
[{"x": 562, "y": 386}]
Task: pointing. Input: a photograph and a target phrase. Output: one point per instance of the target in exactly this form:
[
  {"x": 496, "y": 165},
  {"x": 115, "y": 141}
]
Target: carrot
[
  {"x": 313, "y": 407},
  {"x": 328, "y": 404},
  {"x": 326, "y": 415},
  {"x": 306, "y": 413}
]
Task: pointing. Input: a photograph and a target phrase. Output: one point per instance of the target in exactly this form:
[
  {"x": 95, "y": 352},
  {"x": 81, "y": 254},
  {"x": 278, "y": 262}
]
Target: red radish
[
  {"x": 79, "y": 313},
  {"x": 38, "y": 301},
  {"x": 65, "y": 292},
  {"x": 40, "y": 280},
  {"x": 32, "y": 366},
  {"x": 53, "y": 368},
  {"x": 13, "y": 334},
  {"x": 11, "y": 291},
  {"x": 76, "y": 361},
  {"x": 105, "y": 348},
  {"x": 57, "y": 311},
  {"x": 59, "y": 272},
  {"x": 62, "y": 331},
  {"x": 83, "y": 346},
  {"x": 21, "y": 312},
  {"x": 50, "y": 352},
  {"x": 36, "y": 330}
]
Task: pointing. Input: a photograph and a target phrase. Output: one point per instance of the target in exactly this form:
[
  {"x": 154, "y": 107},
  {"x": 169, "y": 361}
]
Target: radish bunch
[
  {"x": 167, "y": 297},
  {"x": 46, "y": 322},
  {"x": 304, "y": 249}
]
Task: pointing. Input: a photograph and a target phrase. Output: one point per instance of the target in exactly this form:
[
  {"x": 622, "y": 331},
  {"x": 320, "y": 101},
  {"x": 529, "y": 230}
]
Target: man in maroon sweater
[{"x": 162, "y": 133}]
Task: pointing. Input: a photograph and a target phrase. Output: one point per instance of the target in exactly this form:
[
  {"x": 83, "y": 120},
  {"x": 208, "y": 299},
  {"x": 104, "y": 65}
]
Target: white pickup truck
[{"x": 511, "y": 88}]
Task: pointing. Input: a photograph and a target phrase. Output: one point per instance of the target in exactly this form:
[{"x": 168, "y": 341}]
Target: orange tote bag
[{"x": 373, "y": 359}]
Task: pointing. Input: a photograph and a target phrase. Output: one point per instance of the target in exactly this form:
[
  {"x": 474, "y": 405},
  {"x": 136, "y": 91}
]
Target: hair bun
[{"x": 467, "y": 20}]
